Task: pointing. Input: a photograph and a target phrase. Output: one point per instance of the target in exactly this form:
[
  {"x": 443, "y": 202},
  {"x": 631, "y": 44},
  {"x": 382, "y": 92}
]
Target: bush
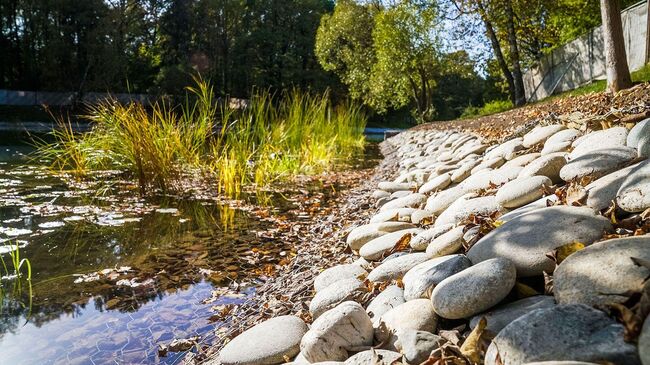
[{"x": 493, "y": 107}]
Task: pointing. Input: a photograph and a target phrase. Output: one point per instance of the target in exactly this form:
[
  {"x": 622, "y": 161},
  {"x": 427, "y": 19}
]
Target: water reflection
[{"x": 115, "y": 276}]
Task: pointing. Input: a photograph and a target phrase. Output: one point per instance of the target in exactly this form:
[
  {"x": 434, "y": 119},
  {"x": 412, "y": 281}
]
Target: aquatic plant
[
  {"x": 161, "y": 146},
  {"x": 13, "y": 272}
]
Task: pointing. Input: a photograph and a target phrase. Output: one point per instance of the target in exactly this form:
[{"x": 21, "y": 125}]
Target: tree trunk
[
  {"x": 496, "y": 47},
  {"x": 520, "y": 93},
  {"x": 618, "y": 73}
]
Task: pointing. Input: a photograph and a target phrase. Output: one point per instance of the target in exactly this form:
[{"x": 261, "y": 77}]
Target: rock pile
[{"x": 527, "y": 252}]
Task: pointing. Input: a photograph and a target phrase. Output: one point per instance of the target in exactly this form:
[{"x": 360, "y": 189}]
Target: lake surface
[{"x": 114, "y": 276}]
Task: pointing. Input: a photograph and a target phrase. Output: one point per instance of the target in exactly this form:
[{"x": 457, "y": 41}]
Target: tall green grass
[
  {"x": 15, "y": 270},
  {"x": 163, "y": 146}
]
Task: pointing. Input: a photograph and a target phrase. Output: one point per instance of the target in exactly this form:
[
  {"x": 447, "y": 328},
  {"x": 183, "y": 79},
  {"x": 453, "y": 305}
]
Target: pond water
[{"x": 114, "y": 277}]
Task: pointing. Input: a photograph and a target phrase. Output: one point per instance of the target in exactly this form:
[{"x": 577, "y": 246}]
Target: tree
[
  {"x": 344, "y": 45},
  {"x": 407, "y": 53},
  {"x": 618, "y": 73}
]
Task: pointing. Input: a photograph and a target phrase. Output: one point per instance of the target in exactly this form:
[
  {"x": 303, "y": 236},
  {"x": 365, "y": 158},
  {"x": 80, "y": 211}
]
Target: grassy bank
[{"x": 164, "y": 147}]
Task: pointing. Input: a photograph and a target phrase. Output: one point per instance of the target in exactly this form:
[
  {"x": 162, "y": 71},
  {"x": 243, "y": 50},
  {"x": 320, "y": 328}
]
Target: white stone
[
  {"x": 376, "y": 248},
  {"x": 268, "y": 342},
  {"x": 546, "y": 165},
  {"x": 337, "y": 273},
  {"x": 634, "y": 193},
  {"x": 447, "y": 243},
  {"x": 346, "y": 326},
  {"x": 519, "y": 192},
  {"x": 526, "y": 239},
  {"x": 474, "y": 289},
  {"x": 421, "y": 279}
]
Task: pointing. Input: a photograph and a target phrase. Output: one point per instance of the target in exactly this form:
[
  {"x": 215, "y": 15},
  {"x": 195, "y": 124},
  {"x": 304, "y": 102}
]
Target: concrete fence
[{"x": 583, "y": 59}]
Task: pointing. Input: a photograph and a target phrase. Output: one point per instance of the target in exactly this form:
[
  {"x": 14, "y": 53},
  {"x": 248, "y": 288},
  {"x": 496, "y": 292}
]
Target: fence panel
[{"x": 583, "y": 59}]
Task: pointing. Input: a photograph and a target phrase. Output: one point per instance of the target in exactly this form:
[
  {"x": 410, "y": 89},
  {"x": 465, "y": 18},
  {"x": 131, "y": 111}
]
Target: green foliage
[
  {"x": 156, "y": 45},
  {"x": 492, "y": 107},
  {"x": 344, "y": 45},
  {"x": 406, "y": 48},
  {"x": 14, "y": 271},
  {"x": 164, "y": 147}
]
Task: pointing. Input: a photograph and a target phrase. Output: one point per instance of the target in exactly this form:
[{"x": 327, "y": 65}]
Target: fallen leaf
[{"x": 471, "y": 348}]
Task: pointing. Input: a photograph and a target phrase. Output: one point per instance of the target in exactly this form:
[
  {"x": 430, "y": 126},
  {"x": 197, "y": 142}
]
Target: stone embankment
[{"x": 532, "y": 251}]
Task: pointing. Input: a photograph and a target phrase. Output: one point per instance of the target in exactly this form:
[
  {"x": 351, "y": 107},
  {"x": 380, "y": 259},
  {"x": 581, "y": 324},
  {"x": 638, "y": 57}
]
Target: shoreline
[{"x": 272, "y": 298}]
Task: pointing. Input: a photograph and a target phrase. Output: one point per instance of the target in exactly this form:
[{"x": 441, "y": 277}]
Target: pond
[{"x": 114, "y": 276}]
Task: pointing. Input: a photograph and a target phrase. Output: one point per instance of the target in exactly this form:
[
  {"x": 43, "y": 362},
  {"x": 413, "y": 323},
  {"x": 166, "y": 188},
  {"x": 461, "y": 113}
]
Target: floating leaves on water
[
  {"x": 14, "y": 232},
  {"x": 52, "y": 224}
]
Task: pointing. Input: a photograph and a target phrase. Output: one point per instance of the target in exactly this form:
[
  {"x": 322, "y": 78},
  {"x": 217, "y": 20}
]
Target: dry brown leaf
[
  {"x": 524, "y": 291},
  {"x": 471, "y": 348}
]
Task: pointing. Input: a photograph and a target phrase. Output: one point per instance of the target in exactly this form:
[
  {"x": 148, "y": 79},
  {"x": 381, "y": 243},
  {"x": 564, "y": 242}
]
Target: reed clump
[{"x": 162, "y": 146}]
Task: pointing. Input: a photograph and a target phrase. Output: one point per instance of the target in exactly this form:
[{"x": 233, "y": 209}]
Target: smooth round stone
[
  {"x": 416, "y": 314},
  {"x": 391, "y": 187},
  {"x": 521, "y": 161},
  {"x": 419, "y": 215},
  {"x": 519, "y": 192},
  {"x": 602, "y": 192},
  {"x": 639, "y": 130},
  {"x": 556, "y": 147},
  {"x": 474, "y": 289},
  {"x": 424, "y": 238},
  {"x": 437, "y": 183},
  {"x": 634, "y": 193},
  {"x": 541, "y": 134},
  {"x": 501, "y": 316},
  {"x": 490, "y": 164},
  {"x": 547, "y": 165},
  {"x": 506, "y": 149},
  {"x": 644, "y": 146},
  {"x": 336, "y": 293},
  {"x": 442, "y": 200},
  {"x": 396, "y": 268},
  {"x": 388, "y": 299},
  {"x": 526, "y": 239},
  {"x": 607, "y": 138},
  {"x": 567, "y": 135},
  {"x": 400, "y": 194},
  {"x": 346, "y": 326},
  {"x": 565, "y": 332},
  {"x": 447, "y": 243},
  {"x": 594, "y": 275},
  {"x": 463, "y": 208},
  {"x": 376, "y": 248},
  {"x": 413, "y": 200},
  {"x": 443, "y": 169},
  {"x": 393, "y": 215},
  {"x": 375, "y": 357},
  {"x": 540, "y": 203},
  {"x": 269, "y": 342},
  {"x": 359, "y": 236},
  {"x": 463, "y": 172},
  {"x": 644, "y": 342},
  {"x": 486, "y": 178},
  {"x": 597, "y": 163},
  {"x": 378, "y": 194},
  {"x": 416, "y": 346},
  {"x": 338, "y": 273},
  {"x": 421, "y": 279}
]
